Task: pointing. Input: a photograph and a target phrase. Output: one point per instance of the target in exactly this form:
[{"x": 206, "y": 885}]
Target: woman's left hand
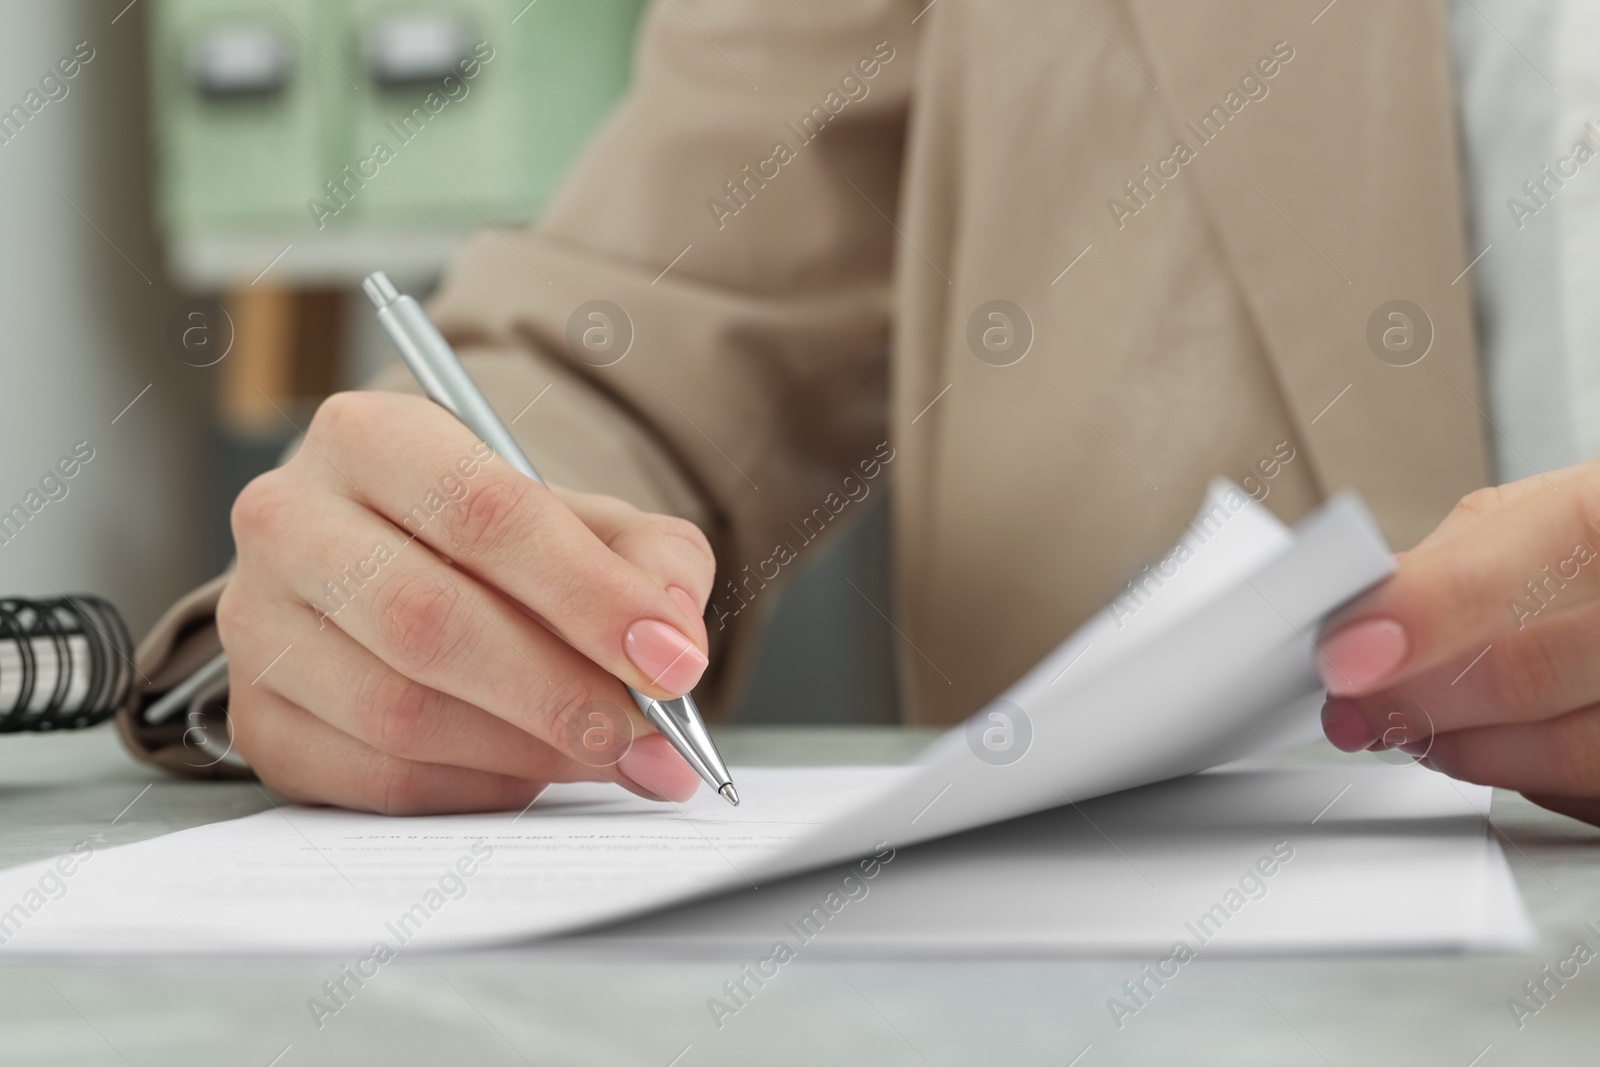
[{"x": 1481, "y": 655}]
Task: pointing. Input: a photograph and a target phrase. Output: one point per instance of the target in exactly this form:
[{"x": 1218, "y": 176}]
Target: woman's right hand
[{"x": 415, "y": 627}]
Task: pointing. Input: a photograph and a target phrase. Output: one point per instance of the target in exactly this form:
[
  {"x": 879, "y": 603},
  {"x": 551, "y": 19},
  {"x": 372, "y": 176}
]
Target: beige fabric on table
[{"x": 775, "y": 348}]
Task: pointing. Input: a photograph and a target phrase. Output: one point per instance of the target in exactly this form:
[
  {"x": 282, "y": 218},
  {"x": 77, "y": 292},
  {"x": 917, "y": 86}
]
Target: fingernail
[
  {"x": 653, "y": 764},
  {"x": 681, "y": 598},
  {"x": 1362, "y": 656},
  {"x": 669, "y": 659},
  {"x": 1345, "y": 726}
]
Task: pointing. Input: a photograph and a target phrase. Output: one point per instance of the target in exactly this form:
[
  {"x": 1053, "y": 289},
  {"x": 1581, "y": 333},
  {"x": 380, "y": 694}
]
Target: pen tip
[{"x": 730, "y": 794}]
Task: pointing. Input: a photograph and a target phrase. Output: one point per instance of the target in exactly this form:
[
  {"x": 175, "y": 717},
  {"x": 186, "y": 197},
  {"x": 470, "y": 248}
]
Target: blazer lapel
[{"x": 1334, "y": 195}]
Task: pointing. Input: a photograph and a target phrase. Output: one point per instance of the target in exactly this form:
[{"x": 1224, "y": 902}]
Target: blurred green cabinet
[{"x": 299, "y": 120}]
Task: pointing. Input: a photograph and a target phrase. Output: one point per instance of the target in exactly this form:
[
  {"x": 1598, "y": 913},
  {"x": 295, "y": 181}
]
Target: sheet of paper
[
  {"x": 1251, "y": 858},
  {"x": 1354, "y": 858},
  {"x": 1215, "y": 664},
  {"x": 315, "y": 880}
]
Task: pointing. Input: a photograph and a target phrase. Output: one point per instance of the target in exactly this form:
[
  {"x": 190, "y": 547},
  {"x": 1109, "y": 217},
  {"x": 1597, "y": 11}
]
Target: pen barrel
[{"x": 446, "y": 382}]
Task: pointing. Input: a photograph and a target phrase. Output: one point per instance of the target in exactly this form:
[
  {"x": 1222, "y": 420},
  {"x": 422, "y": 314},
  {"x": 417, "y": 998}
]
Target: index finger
[
  {"x": 1455, "y": 594},
  {"x": 1493, "y": 499},
  {"x": 412, "y": 462}
]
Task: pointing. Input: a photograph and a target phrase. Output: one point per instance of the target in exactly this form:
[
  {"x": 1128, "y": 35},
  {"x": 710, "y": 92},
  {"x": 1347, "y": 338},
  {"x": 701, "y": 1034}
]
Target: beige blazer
[{"x": 1194, "y": 213}]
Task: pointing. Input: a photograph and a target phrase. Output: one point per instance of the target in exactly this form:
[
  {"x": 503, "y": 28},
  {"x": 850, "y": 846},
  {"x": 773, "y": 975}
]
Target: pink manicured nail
[
  {"x": 681, "y": 598},
  {"x": 1362, "y": 656},
  {"x": 1345, "y": 726},
  {"x": 669, "y": 659},
  {"x": 652, "y": 763}
]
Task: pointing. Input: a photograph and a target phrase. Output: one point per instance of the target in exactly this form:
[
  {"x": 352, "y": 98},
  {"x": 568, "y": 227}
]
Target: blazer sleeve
[{"x": 699, "y": 322}]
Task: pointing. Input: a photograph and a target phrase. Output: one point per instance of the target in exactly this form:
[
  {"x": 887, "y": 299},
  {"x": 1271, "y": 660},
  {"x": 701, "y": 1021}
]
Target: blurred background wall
[
  {"x": 192, "y": 191},
  {"x": 83, "y": 300}
]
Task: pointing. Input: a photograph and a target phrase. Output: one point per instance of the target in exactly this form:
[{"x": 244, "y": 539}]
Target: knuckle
[
  {"x": 1480, "y": 501},
  {"x": 494, "y": 515},
  {"x": 394, "y": 786},
  {"x": 690, "y": 539},
  {"x": 398, "y": 716},
  {"x": 261, "y": 507},
  {"x": 570, "y": 593},
  {"x": 343, "y": 416},
  {"x": 421, "y": 616},
  {"x": 232, "y": 615},
  {"x": 1524, "y": 682},
  {"x": 1456, "y": 594},
  {"x": 560, "y": 709}
]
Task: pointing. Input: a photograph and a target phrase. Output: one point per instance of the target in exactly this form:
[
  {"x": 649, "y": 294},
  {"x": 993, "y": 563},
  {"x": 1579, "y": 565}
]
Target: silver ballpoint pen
[{"x": 445, "y": 380}]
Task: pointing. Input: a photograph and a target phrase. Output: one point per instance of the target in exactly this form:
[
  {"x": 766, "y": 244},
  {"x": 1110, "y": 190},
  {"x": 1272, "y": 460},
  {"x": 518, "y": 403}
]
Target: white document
[
  {"x": 1326, "y": 859},
  {"x": 1207, "y": 661},
  {"x": 313, "y": 880},
  {"x": 1248, "y": 858},
  {"x": 1213, "y": 664}
]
